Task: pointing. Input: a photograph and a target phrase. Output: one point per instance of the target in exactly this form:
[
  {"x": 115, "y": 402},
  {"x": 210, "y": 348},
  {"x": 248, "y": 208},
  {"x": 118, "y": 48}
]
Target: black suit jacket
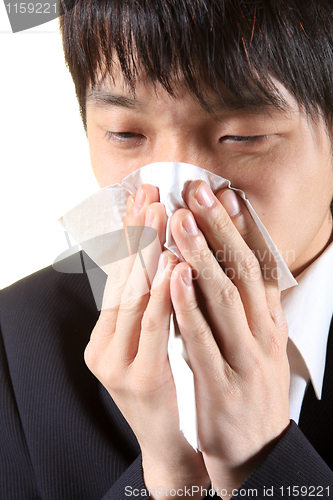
[{"x": 63, "y": 438}]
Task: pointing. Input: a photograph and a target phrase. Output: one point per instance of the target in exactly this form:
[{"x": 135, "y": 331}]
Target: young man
[{"x": 241, "y": 89}]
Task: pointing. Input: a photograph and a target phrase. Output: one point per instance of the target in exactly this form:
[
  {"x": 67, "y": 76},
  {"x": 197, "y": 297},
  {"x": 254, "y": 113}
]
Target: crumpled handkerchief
[{"x": 103, "y": 213}]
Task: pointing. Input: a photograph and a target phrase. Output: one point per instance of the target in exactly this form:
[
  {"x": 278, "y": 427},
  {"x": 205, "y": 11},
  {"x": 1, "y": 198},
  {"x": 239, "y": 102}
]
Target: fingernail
[
  {"x": 190, "y": 225},
  {"x": 162, "y": 263},
  {"x": 139, "y": 200},
  {"x": 187, "y": 276},
  {"x": 230, "y": 202},
  {"x": 149, "y": 218},
  {"x": 204, "y": 195},
  {"x": 130, "y": 203}
]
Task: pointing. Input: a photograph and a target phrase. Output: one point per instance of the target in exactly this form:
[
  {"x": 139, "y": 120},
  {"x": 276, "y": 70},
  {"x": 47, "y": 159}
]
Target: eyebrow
[
  {"x": 233, "y": 104},
  {"x": 108, "y": 99}
]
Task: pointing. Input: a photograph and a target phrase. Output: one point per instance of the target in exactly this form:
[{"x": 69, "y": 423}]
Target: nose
[{"x": 184, "y": 149}]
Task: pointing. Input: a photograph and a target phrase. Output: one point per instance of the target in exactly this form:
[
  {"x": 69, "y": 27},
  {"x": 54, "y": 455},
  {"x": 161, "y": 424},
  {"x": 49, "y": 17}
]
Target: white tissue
[{"x": 103, "y": 212}]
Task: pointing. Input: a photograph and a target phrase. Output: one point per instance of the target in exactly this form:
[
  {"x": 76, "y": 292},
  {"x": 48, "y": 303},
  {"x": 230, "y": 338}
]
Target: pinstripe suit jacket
[{"x": 62, "y": 436}]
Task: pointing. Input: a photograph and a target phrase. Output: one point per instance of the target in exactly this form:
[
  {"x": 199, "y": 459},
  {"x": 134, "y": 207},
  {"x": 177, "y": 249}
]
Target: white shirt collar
[{"x": 308, "y": 309}]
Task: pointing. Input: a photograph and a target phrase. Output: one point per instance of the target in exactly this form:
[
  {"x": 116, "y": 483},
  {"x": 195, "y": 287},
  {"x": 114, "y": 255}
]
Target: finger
[
  {"x": 135, "y": 295},
  {"x": 223, "y": 310},
  {"x": 118, "y": 273},
  {"x": 129, "y": 204},
  {"x": 203, "y": 352},
  {"x": 251, "y": 234},
  {"x": 137, "y": 219},
  {"x": 153, "y": 345},
  {"x": 229, "y": 313},
  {"x": 120, "y": 269},
  {"x": 248, "y": 229},
  {"x": 157, "y": 210},
  {"x": 155, "y": 221},
  {"x": 137, "y": 204},
  {"x": 229, "y": 246},
  {"x": 105, "y": 327}
]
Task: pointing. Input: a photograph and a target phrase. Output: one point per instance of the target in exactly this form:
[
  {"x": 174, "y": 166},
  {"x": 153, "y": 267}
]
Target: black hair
[{"x": 243, "y": 44}]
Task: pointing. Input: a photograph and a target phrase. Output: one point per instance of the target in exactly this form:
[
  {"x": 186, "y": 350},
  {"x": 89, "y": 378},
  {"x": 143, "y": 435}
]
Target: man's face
[{"x": 281, "y": 159}]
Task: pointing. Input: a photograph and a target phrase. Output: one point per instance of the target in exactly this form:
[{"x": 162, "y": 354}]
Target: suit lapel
[{"x": 316, "y": 417}]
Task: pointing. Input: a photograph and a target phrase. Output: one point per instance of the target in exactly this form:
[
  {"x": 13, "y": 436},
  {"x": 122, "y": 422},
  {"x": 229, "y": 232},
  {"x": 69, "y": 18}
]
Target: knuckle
[
  {"x": 191, "y": 306},
  {"x": 246, "y": 227},
  {"x": 118, "y": 271},
  {"x": 250, "y": 268},
  {"x": 200, "y": 334},
  {"x": 133, "y": 307},
  {"x": 280, "y": 321},
  {"x": 148, "y": 323},
  {"x": 221, "y": 223},
  {"x": 230, "y": 295},
  {"x": 215, "y": 295},
  {"x": 115, "y": 284},
  {"x": 135, "y": 294},
  {"x": 205, "y": 255},
  {"x": 185, "y": 314},
  {"x": 157, "y": 293},
  {"x": 132, "y": 292},
  {"x": 283, "y": 329},
  {"x": 277, "y": 346},
  {"x": 257, "y": 322}
]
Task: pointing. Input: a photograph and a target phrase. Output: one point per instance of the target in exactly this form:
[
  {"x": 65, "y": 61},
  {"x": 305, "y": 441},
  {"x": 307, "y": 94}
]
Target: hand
[
  {"x": 234, "y": 332},
  {"x": 127, "y": 352}
]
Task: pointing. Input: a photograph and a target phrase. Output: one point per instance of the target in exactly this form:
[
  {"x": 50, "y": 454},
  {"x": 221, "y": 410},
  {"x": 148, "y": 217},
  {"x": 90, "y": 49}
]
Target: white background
[{"x": 44, "y": 156}]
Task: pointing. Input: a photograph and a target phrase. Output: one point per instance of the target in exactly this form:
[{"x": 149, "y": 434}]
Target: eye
[
  {"x": 125, "y": 138},
  {"x": 251, "y": 139},
  {"x": 121, "y": 135}
]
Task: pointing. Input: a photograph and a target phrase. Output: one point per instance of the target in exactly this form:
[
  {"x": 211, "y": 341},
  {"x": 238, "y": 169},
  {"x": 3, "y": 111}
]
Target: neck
[{"x": 318, "y": 245}]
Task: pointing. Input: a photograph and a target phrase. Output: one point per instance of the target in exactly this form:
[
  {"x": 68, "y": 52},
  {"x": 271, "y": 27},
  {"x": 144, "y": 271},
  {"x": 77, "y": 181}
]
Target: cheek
[
  {"x": 108, "y": 168},
  {"x": 292, "y": 195}
]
